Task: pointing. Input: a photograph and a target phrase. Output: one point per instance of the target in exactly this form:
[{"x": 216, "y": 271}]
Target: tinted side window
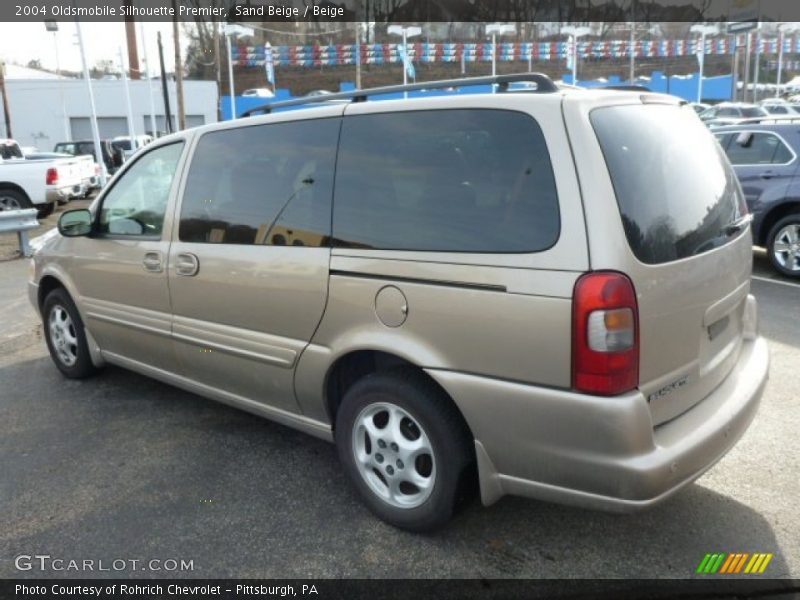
[
  {"x": 138, "y": 201},
  {"x": 728, "y": 112},
  {"x": 264, "y": 184},
  {"x": 445, "y": 180},
  {"x": 760, "y": 149}
]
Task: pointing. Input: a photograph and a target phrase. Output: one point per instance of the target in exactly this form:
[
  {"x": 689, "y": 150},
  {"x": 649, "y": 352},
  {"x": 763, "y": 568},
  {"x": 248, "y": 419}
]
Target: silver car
[{"x": 544, "y": 292}]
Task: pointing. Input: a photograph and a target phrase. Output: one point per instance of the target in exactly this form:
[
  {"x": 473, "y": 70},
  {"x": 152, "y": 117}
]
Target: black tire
[
  {"x": 45, "y": 210},
  {"x": 11, "y": 199},
  {"x": 442, "y": 424},
  {"x": 793, "y": 219},
  {"x": 82, "y": 367}
]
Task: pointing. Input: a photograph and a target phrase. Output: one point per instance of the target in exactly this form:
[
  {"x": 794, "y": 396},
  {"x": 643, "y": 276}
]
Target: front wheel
[
  {"x": 405, "y": 448},
  {"x": 65, "y": 337},
  {"x": 783, "y": 245}
]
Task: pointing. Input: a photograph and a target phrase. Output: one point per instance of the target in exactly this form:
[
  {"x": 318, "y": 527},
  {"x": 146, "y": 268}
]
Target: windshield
[{"x": 676, "y": 191}]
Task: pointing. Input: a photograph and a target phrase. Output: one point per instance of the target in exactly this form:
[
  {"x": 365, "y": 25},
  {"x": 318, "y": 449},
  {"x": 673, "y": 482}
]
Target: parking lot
[{"x": 123, "y": 467}]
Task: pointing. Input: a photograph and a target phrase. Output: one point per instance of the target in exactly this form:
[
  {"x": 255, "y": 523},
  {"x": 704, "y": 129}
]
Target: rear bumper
[
  {"x": 59, "y": 195},
  {"x": 601, "y": 453}
]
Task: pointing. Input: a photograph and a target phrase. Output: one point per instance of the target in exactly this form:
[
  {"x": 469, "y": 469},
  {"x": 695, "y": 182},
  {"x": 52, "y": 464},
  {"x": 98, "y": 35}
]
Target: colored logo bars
[
  {"x": 734, "y": 563},
  {"x": 344, "y": 54}
]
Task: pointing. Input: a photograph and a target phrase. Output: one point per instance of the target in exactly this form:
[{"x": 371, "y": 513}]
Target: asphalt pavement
[{"x": 121, "y": 467}]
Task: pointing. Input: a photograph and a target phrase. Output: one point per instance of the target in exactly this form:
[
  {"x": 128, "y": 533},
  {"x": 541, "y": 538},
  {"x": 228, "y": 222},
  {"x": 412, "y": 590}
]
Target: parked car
[
  {"x": 781, "y": 108},
  {"x": 544, "y": 292},
  {"x": 128, "y": 147},
  {"x": 728, "y": 113},
  {"x": 699, "y": 107},
  {"x": 89, "y": 170},
  {"x": 258, "y": 93},
  {"x": 39, "y": 184},
  {"x": 764, "y": 157},
  {"x": 112, "y": 157}
]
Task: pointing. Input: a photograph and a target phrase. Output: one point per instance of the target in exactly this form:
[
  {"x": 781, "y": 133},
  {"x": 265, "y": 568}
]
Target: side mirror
[{"x": 75, "y": 223}]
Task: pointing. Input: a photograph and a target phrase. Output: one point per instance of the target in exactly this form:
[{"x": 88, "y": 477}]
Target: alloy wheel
[
  {"x": 9, "y": 203},
  {"x": 786, "y": 247},
  {"x": 394, "y": 455},
  {"x": 63, "y": 336}
]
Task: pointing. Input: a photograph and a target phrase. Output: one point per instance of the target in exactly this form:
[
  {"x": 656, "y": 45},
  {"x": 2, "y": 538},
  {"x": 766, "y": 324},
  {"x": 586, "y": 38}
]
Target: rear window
[
  {"x": 675, "y": 189},
  {"x": 445, "y": 180}
]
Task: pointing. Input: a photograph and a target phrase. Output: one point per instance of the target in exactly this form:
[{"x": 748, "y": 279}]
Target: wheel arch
[
  {"x": 356, "y": 364},
  {"x": 8, "y": 185},
  {"x": 773, "y": 215}
]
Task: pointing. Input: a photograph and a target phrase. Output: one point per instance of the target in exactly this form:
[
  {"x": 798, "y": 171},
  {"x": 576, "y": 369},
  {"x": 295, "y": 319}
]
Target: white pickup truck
[{"x": 36, "y": 183}]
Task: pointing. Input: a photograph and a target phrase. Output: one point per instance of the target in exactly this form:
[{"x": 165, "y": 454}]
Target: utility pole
[
  {"x": 6, "y": 113},
  {"x": 133, "y": 53},
  {"x": 164, "y": 90},
  {"x": 178, "y": 69}
]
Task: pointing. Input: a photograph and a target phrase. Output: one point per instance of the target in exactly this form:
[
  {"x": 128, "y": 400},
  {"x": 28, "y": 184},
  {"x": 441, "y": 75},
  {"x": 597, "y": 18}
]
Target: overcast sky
[{"x": 21, "y": 42}]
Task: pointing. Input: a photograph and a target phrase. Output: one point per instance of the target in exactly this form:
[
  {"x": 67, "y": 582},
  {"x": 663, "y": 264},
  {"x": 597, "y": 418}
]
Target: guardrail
[{"x": 19, "y": 222}]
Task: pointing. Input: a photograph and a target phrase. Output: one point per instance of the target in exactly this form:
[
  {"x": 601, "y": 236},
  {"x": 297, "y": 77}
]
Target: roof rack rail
[
  {"x": 542, "y": 81},
  {"x": 774, "y": 119}
]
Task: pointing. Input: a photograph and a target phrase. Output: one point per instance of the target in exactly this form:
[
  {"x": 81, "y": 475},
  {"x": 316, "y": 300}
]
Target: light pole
[
  {"x": 98, "y": 153},
  {"x": 235, "y": 31},
  {"x": 149, "y": 82},
  {"x": 703, "y": 30},
  {"x": 575, "y": 32},
  {"x": 494, "y": 29},
  {"x": 782, "y": 28},
  {"x": 128, "y": 107},
  {"x": 52, "y": 26},
  {"x": 405, "y": 32}
]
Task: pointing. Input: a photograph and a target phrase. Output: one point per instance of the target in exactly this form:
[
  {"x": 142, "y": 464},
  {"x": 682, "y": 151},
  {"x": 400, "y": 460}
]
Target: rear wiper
[{"x": 738, "y": 225}]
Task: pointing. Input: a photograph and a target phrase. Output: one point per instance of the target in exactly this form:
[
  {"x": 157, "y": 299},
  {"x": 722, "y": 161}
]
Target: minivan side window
[
  {"x": 761, "y": 149},
  {"x": 452, "y": 180},
  {"x": 136, "y": 205},
  {"x": 262, "y": 184}
]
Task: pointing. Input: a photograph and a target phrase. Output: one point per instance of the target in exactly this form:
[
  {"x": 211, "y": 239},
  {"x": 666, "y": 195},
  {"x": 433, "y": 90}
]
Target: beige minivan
[{"x": 540, "y": 291}]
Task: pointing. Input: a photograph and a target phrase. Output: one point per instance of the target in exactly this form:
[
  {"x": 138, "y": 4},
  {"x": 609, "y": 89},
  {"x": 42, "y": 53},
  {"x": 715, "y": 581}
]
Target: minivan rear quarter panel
[{"x": 485, "y": 313}]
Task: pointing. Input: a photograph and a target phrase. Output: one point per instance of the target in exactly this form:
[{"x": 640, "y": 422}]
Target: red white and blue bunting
[{"x": 344, "y": 54}]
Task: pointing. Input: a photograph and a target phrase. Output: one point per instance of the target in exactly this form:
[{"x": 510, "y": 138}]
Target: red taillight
[
  {"x": 52, "y": 176},
  {"x": 605, "y": 334}
]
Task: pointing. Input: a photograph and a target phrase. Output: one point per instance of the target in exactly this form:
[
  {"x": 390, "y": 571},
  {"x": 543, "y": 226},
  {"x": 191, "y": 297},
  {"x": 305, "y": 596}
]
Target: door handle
[
  {"x": 152, "y": 262},
  {"x": 187, "y": 264},
  {"x": 767, "y": 174}
]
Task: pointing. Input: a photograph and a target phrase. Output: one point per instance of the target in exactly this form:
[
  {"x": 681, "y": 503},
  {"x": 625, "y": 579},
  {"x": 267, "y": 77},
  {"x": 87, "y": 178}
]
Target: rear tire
[
  {"x": 13, "y": 200},
  {"x": 405, "y": 448},
  {"x": 783, "y": 246},
  {"x": 65, "y": 336}
]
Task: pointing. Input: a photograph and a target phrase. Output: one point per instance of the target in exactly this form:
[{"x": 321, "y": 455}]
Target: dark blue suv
[{"x": 765, "y": 158}]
